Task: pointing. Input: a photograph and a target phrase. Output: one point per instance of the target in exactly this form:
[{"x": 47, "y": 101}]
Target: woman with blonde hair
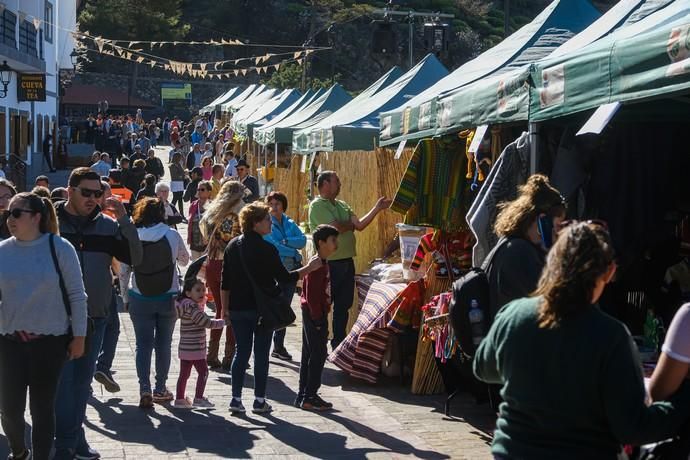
[
  {"x": 219, "y": 225},
  {"x": 40, "y": 327}
]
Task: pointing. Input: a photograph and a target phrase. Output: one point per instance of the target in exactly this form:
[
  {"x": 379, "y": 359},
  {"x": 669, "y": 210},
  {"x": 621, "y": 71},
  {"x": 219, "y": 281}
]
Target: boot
[{"x": 212, "y": 355}]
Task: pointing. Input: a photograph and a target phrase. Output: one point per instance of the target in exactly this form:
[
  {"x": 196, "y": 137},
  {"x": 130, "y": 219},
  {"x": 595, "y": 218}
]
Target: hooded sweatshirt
[
  {"x": 98, "y": 239},
  {"x": 178, "y": 250}
]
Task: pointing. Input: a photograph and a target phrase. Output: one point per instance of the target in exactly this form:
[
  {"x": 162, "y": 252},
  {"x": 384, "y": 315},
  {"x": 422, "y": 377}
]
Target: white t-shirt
[{"x": 677, "y": 343}]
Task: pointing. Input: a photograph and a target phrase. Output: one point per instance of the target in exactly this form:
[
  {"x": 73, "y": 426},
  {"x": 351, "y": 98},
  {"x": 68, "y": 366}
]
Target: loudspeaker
[
  {"x": 436, "y": 37},
  {"x": 383, "y": 40}
]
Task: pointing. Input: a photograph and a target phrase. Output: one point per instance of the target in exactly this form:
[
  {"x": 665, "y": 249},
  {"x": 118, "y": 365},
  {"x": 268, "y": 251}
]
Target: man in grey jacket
[{"x": 98, "y": 239}]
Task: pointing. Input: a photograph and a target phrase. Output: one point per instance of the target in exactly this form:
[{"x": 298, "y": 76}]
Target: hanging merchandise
[
  {"x": 450, "y": 252},
  {"x": 437, "y": 327},
  {"x": 406, "y": 307},
  {"x": 434, "y": 191}
]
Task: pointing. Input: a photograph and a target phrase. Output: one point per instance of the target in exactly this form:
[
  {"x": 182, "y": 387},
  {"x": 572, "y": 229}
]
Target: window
[
  {"x": 8, "y": 25},
  {"x": 48, "y": 23},
  {"x": 27, "y": 38}
]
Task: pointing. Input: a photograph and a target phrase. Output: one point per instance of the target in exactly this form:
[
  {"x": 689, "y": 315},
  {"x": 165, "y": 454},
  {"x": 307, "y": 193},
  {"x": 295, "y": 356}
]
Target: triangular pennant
[
  {"x": 203, "y": 66},
  {"x": 99, "y": 43},
  {"x": 257, "y": 61},
  {"x": 37, "y": 23},
  {"x": 166, "y": 66},
  {"x": 140, "y": 60},
  {"x": 244, "y": 72},
  {"x": 131, "y": 44},
  {"x": 276, "y": 66},
  {"x": 296, "y": 55},
  {"x": 152, "y": 64}
]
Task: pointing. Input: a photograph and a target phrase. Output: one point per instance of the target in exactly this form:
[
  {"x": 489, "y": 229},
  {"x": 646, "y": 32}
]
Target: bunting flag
[{"x": 37, "y": 23}]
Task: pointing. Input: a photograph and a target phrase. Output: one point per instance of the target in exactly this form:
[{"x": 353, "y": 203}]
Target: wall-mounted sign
[{"x": 31, "y": 87}]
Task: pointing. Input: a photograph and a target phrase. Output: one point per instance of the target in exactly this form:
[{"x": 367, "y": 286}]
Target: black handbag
[
  {"x": 65, "y": 299},
  {"x": 273, "y": 312}
]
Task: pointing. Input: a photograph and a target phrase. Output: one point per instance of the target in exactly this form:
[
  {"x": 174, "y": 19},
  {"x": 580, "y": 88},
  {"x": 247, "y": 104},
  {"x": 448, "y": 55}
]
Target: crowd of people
[{"x": 112, "y": 231}]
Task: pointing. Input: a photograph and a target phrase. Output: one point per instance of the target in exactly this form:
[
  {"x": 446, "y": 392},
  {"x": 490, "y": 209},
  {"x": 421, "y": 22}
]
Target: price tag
[{"x": 477, "y": 139}]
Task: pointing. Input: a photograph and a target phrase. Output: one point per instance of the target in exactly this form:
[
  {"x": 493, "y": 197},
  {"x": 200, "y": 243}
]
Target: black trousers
[
  {"x": 177, "y": 198},
  {"x": 343, "y": 294},
  {"x": 314, "y": 342},
  {"x": 35, "y": 366}
]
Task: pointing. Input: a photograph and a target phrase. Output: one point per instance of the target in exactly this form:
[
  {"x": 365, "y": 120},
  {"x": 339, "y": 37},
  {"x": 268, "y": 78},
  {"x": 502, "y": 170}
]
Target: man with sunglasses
[{"x": 98, "y": 239}]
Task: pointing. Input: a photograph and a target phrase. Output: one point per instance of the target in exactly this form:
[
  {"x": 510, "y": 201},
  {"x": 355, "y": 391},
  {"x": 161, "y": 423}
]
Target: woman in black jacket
[{"x": 250, "y": 256}]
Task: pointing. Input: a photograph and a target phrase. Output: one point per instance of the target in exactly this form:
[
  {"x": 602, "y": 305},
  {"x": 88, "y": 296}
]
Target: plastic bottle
[{"x": 476, "y": 317}]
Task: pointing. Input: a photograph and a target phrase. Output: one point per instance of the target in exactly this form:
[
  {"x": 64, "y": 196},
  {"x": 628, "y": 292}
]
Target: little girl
[{"x": 192, "y": 350}]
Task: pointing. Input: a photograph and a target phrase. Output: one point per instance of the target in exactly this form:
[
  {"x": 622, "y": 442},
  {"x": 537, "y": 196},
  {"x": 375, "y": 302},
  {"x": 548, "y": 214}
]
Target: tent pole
[
  {"x": 275, "y": 160},
  {"x": 533, "y": 147}
]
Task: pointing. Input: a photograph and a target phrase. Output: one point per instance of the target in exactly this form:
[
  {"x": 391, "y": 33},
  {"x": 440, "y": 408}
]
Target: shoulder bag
[
  {"x": 273, "y": 312},
  {"x": 65, "y": 299}
]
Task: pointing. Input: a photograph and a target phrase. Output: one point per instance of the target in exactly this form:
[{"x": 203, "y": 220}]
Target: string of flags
[{"x": 214, "y": 69}]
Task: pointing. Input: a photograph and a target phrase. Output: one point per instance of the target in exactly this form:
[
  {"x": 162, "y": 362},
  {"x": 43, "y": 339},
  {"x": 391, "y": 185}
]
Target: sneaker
[
  {"x": 106, "y": 379},
  {"x": 88, "y": 454},
  {"x": 261, "y": 408},
  {"x": 236, "y": 407},
  {"x": 26, "y": 455},
  {"x": 162, "y": 396},
  {"x": 281, "y": 353},
  {"x": 183, "y": 404},
  {"x": 315, "y": 403},
  {"x": 298, "y": 401},
  {"x": 146, "y": 401},
  {"x": 203, "y": 403}
]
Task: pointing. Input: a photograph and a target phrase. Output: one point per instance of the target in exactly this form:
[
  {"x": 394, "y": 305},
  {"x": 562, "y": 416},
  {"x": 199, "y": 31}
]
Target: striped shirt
[{"x": 193, "y": 325}]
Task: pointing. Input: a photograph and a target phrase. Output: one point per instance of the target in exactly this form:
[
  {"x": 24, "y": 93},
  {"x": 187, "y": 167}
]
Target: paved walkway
[{"x": 369, "y": 421}]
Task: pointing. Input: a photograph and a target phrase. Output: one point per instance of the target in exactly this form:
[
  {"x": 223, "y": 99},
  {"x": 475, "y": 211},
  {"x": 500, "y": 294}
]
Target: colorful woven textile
[
  {"x": 431, "y": 191},
  {"x": 361, "y": 352},
  {"x": 406, "y": 307}
]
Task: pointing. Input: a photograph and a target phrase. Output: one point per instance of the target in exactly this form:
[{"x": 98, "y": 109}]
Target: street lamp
[
  {"x": 5, "y": 76},
  {"x": 73, "y": 57}
]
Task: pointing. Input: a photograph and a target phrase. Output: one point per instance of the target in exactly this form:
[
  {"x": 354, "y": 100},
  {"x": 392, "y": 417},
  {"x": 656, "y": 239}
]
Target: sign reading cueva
[{"x": 31, "y": 87}]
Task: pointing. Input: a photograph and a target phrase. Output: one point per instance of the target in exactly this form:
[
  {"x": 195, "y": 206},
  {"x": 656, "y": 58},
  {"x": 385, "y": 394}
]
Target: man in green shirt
[{"x": 326, "y": 209}]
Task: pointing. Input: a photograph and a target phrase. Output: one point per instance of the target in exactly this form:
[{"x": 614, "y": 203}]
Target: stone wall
[{"x": 149, "y": 88}]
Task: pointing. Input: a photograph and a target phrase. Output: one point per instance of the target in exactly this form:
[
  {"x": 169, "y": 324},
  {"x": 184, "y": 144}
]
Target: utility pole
[
  {"x": 506, "y": 17},
  {"x": 411, "y": 15}
]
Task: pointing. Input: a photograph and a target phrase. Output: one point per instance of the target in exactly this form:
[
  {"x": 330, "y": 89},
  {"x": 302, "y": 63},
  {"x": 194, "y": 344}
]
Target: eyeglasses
[
  {"x": 596, "y": 222},
  {"x": 17, "y": 212},
  {"x": 88, "y": 193}
]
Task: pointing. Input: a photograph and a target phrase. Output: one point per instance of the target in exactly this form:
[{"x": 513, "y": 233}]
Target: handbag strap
[
  {"x": 65, "y": 297},
  {"x": 244, "y": 264}
]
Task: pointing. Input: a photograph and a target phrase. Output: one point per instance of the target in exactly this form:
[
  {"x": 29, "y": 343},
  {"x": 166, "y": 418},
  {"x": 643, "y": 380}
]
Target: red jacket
[{"x": 316, "y": 293}]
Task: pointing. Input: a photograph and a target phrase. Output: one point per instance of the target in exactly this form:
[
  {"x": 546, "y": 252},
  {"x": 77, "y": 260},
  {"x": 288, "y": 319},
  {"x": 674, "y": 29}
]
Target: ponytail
[{"x": 44, "y": 207}]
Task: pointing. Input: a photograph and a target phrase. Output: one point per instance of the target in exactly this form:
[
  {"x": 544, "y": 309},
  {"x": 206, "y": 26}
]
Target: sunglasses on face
[
  {"x": 17, "y": 212},
  {"x": 88, "y": 193}
]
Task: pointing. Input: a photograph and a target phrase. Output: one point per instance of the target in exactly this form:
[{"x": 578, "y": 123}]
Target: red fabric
[{"x": 316, "y": 293}]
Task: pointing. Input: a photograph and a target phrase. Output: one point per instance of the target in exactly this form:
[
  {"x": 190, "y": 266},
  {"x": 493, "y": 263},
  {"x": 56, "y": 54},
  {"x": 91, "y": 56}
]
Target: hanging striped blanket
[{"x": 361, "y": 352}]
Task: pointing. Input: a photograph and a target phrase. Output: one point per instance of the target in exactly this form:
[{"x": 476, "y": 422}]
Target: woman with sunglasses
[
  {"x": 7, "y": 191},
  {"x": 195, "y": 239},
  {"x": 34, "y": 325},
  {"x": 572, "y": 381}
]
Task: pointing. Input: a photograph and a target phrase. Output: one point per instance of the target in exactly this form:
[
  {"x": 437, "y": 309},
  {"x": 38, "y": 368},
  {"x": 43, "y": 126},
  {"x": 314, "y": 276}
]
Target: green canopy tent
[
  {"x": 504, "y": 97},
  {"x": 649, "y": 59},
  {"x": 300, "y": 138},
  {"x": 356, "y": 126},
  {"x": 265, "y": 112},
  {"x": 561, "y": 20},
  {"x": 214, "y": 105},
  {"x": 279, "y": 130}
]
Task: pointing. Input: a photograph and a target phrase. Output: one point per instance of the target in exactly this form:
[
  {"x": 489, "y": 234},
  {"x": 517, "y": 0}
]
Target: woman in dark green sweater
[{"x": 572, "y": 382}]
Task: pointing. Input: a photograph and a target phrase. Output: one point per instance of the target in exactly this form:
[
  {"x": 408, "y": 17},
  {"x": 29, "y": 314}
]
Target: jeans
[
  {"x": 35, "y": 366},
  {"x": 74, "y": 391},
  {"x": 177, "y": 198},
  {"x": 343, "y": 294},
  {"x": 214, "y": 269},
  {"x": 185, "y": 371},
  {"x": 246, "y": 332},
  {"x": 288, "y": 290},
  {"x": 314, "y": 352},
  {"x": 154, "y": 323},
  {"x": 110, "y": 338}
]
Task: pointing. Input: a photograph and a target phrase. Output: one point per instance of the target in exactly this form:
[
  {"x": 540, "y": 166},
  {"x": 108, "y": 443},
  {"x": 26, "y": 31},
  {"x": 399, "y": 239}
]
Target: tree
[{"x": 290, "y": 76}]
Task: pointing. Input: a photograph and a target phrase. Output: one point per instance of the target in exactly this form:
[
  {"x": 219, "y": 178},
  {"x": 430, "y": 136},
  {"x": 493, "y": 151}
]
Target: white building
[{"x": 35, "y": 38}]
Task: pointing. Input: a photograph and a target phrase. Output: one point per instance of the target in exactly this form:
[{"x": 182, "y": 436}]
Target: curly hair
[
  {"x": 229, "y": 201},
  {"x": 536, "y": 197},
  {"x": 252, "y": 214},
  {"x": 148, "y": 212},
  {"x": 582, "y": 253}
]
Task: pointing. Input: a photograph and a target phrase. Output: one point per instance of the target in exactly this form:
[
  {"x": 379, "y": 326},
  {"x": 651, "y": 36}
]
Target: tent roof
[
  {"x": 266, "y": 111},
  {"x": 239, "y": 100},
  {"x": 306, "y": 99},
  {"x": 220, "y": 100},
  {"x": 321, "y": 106},
  {"x": 251, "y": 105},
  {"x": 356, "y": 125},
  {"x": 649, "y": 58},
  {"x": 505, "y": 97},
  {"x": 560, "y": 21}
]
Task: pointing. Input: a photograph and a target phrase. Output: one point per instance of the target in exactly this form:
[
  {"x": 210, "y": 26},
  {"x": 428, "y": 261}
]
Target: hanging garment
[
  {"x": 406, "y": 308},
  {"x": 432, "y": 189},
  {"x": 449, "y": 251},
  {"x": 510, "y": 171}
]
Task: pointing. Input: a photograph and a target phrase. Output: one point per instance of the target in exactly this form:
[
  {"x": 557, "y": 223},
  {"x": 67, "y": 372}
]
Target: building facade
[{"x": 35, "y": 40}]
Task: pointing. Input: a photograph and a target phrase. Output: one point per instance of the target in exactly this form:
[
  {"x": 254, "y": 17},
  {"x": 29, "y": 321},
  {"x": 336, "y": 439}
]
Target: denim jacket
[{"x": 287, "y": 237}]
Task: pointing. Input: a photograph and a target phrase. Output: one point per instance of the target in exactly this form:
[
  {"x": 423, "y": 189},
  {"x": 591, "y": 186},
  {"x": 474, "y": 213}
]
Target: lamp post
[
  {"x": 5, "y": 77},
  {"x": 73, "y": 57}
]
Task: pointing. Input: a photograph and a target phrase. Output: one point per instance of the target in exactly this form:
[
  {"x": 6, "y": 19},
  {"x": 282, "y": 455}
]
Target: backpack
[
  {"x": 473, "y": 286},
  {"x": 154, "y": 275}
]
